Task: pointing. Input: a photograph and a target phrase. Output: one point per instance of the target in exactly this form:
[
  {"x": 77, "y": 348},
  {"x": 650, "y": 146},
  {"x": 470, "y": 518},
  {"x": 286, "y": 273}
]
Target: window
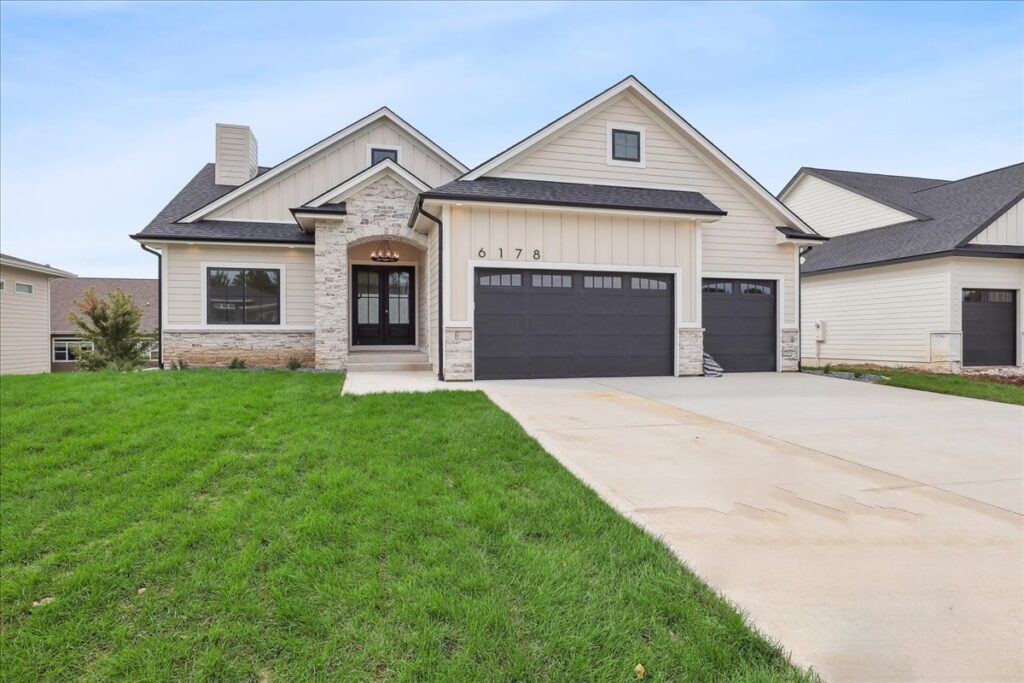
[
  {"x": 546, "y": 280},
  {"x": 1000, "y": 297},
  {"x": 755, "y": 289},
  {"x": 648, "y": 283},
  {"x": 153, "y": 350},
  {"x": 973, "y": 295},
  {"x": 625, "y": 145},
  {"x": 602, "y": 282},
  {"x": 243, "y": 296},
  {"x": 66, "y": 349},
  {"x": 378, "y": 154},
  {"x": 24, "y": 288},
  {"x": 502, "y": 280},
  {"x": 717, "y": 288}
]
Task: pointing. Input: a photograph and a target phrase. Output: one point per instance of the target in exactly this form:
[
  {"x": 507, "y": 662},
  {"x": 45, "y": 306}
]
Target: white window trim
[
  {"x": 204, "y": 268},
  {"x": 67, "y": 340},
  {"x": 633, "y": 128},
  {"x": 32, "y": 287},
  {"x": 370, "y": 146}
]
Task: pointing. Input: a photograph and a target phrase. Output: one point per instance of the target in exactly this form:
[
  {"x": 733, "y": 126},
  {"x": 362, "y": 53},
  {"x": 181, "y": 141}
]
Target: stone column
[
  {"x": 691, "y": 351},
  {"x": 331, "y": 295}
]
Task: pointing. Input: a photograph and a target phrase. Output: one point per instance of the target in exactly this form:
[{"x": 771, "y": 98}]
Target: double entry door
[{"x": 383, "y": 306}]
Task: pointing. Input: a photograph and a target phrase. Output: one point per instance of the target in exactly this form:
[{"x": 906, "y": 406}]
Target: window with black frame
[{"x": 243, "y": 296}]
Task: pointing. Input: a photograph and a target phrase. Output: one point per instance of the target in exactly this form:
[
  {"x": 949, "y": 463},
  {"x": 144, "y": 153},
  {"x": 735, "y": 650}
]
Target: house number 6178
[{"x": 501, "y": 253}]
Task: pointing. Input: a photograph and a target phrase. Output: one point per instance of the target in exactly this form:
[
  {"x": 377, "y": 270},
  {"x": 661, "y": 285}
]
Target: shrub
[
  {"x": 237, "y": 363},
  {"x": 180, "y": 364},
  {"x": 112, "y": 325},
  {"x": 828, "y": 368},
  {"x": 294, "y": 363}
]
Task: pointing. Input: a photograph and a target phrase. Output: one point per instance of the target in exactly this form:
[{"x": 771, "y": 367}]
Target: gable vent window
[
  {"x": 378, "y": 155},
  {"x": 625, "y": 145}
]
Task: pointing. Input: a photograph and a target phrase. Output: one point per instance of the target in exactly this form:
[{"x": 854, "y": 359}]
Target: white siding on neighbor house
[
  {"x": 885, "y": 314},
  {"x": 833, "y": 210},
  {"x": 332, "y": 166},
  {"x": 184, "y": 281},
  {"x": 1007, "y": 229},
  {"x": 24, "y": 323},
  {"x": 986, "y": 273},
  {"x": 524, "y": 236}
]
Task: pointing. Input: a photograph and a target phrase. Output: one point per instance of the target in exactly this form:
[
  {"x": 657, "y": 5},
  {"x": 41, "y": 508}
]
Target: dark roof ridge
[{"x": 970, "y": 177}]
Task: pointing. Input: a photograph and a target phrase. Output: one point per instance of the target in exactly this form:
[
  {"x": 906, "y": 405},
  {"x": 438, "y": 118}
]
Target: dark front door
[
  {"x": 990, "y": 326},
  {"x": 544, "y": 323},
  {"x": 739, "y": 323},
  {"x": 383, "y": 306}
]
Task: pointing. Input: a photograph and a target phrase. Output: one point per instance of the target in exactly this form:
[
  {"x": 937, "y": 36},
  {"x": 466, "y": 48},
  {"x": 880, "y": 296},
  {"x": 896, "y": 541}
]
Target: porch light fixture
[{"x": 383, "y": 253}]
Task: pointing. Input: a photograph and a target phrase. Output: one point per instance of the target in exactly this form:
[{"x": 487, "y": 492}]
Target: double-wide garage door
[{"x": 534, "y": 324}]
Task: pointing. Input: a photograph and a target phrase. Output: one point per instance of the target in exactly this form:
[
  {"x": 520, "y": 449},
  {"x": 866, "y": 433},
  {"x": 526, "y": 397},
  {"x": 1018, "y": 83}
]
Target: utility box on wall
[{"x": 819, "y": 330}]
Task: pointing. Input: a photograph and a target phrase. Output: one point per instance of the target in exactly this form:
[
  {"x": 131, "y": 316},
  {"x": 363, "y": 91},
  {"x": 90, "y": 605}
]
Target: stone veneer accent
[
  {"x": 691, "y": 351},
  {"x": 790, "y": 350},
  {"x": 381, "y": 209},
  {"x": 273, "y": 349},
  {"x": 458, "y": 353}
]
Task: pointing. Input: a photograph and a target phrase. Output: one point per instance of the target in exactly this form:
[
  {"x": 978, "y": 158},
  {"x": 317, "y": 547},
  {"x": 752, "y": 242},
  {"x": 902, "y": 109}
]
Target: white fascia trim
[
  {"x": 386, "y": 167},
  {"x": 282, "y": 296},
  {"x": 780, "y": 304},
  {"x": 370, "y": 146},
  {"x": 649, "y": 98},
  {"x": 253, "y": 220},
  {"x": 35, "y": 267},
  {"x": 259, "y": 180},
  {"x": 601, "y": 181},
  {"x": 163, "y": 243},
  {"x": 704, "y": 218},
  {"x": 632, "y": 128}
]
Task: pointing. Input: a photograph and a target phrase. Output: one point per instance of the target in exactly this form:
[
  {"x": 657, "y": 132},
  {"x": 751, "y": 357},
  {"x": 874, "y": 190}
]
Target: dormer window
[
  {"x": 625, "y": 145},
  {"x": 379, "y": 153}
]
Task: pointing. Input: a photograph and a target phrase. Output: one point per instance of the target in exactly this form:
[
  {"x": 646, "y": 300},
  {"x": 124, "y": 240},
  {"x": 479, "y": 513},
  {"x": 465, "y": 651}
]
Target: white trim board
[
  {"x": 610, "y": 144},
  {"x": 365, "y": 177},
  {"x": 370, "y": 146},
  {"x": 703, "y": 217}
]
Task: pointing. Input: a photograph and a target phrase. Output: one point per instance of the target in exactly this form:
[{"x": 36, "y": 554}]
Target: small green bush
[
  {"x": 828, "y": 368},
  {"x": 237, "y": 364},
  {"x": 294, "y": 363}
]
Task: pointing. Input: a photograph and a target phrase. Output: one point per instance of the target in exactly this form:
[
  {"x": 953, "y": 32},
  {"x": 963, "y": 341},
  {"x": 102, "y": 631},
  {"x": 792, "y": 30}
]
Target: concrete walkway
[{"x": 875, "y": 532}]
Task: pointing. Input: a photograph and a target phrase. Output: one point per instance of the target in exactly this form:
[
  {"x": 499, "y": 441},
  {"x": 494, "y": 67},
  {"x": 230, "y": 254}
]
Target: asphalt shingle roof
[
  {"x": 951, "y": 214},
  {"x": 64, "y": 293},
  {"x": 199, "y": 192},
  {"x": 518, "y": 191}
]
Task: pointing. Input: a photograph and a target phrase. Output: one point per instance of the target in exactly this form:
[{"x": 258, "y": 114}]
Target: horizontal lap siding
[
  {"x": 580, "y": 239},
  {"x": 987, "y": 273},
  {"x": 184, "y": 279},
  {"x": 24, "y": 323},
  {"x": 743, "y": 242},
  {"x": 331, "y": 167},
  {"x": 884, "y": 314},
  {"x": 1007, "y": 229},
  {"x": 832, "y": 210}
]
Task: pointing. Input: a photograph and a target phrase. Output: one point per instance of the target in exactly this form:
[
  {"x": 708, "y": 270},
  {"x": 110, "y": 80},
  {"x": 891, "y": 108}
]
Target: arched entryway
[{"x": 387, "y": 299}]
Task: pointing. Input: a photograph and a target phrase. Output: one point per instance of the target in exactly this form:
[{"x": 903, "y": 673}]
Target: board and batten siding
[
  {"x": 184, "y": 278},
  {"x": 1008, "y": 229},
  {"x": 744, "y": 242},
  {"x": 833, "y": 210},
  {"x": 885, "y": 314},
  {"x": 24, "y": 323},
  {"x": 520, "y": 237},
  {"x": 331, "y": 167}
]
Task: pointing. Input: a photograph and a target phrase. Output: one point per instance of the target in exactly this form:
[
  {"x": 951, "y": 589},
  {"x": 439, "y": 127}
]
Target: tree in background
[{"x": 112, "y": 325}]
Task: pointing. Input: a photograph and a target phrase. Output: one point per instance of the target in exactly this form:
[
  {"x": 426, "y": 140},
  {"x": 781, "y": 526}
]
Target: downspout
[
  {"x": 800, "y": 308},
  {"x": 159, "y": 305},
  {"x": 440, "y": 288}
]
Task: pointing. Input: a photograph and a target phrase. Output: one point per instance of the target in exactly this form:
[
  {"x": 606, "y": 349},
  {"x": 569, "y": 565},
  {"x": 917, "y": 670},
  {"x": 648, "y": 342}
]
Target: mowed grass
[
  {"x": 236, "y": 525},
  {"x": 970, "y": 386}
]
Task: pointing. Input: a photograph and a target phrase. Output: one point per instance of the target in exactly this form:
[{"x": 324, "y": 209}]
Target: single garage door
[
  {"x": 990, "y": 327},
  {"x": 533, "y": 324},
  {"x": 739, "y": 323}
]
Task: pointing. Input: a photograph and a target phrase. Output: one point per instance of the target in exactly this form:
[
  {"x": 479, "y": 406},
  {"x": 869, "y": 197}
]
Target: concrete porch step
[{"x": 388, "y": 361}]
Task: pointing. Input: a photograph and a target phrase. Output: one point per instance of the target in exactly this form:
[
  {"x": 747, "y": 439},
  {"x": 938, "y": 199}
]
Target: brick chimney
[{"x": 236, "y": 155}]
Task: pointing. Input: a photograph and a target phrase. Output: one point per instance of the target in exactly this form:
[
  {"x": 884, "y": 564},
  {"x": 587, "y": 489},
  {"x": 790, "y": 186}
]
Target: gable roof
[
  {"x": 383, "y": 113},
  {"x": 632, "y": 85},
  {"x": 367, "y": 175},
  {"x": 44, "y": 268},
  {"x": 952, "y": 214},
  {"x": 64, "y": 293},
  {"x": 519, "y": 191},
  {"x": 890, "y": 190}
]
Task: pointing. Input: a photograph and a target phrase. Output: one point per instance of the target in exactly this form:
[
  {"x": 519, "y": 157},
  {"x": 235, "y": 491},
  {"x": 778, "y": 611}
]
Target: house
[
  {"x": 918, "y": 271},
  {"x": 25, "y": 314},
  {"x": 65, "y": 337},
  {"x": 615, "y": 240}
]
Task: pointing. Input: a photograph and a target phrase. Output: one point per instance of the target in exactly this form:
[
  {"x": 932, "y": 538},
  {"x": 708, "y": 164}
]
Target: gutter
[
  {"x": 440, "y": 283},
  {"x": 159, "y": 305}
]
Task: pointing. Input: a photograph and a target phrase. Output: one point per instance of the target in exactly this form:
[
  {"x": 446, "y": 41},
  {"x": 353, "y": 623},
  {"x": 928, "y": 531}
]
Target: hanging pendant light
[{"x": 383, "y": 253}]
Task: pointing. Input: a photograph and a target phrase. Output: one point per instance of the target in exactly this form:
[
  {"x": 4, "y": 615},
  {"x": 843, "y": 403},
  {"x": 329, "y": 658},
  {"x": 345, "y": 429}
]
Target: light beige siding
[
  {"x": 24, "y": 323},
  {"x": 332, "y": 166},
  {"x": 184, "y": 280},
  {"x": 884, "y": 315},
  {"x": 1007, "y": 229},
  {"x": 235, "y": 154},
  {"x": 832, "y": 210},
  {"x": 987, "y": 273},
  {"x": 521, "y": 237}
]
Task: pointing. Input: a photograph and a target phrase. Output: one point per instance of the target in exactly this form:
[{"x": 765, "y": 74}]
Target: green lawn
[
  {"x": 957, "y": 385},
  {"x": 236, "y": 525}
]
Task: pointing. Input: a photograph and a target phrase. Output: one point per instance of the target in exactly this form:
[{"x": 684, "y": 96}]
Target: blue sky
[{"x": 106, "y": 110}]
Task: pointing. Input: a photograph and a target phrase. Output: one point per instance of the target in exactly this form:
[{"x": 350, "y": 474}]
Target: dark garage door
[
  {"x": 739, "y": 323},
  {"x": 990, "y": 327},
  {"x": 532, "y": 324}
]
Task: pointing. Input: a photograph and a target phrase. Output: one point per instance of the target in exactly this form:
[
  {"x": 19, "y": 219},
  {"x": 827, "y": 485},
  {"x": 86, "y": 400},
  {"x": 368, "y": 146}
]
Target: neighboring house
[
  {"x": 918, "y": 271},
  {"x": 616, "y": 240},
  {"x": 65, "y": 337},
  {"x": 25, "y": 314}
]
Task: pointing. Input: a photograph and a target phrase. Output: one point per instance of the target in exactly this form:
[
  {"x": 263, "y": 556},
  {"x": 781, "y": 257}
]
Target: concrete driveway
[{"x": 876, "y": 533}]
